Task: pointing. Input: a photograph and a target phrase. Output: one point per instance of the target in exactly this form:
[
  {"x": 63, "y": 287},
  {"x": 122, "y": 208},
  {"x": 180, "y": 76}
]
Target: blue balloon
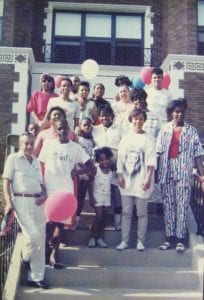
[{"x": 138, "y": 83}]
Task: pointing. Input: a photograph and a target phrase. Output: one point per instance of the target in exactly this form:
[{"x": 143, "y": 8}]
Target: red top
[
  {"x": 38, "y": 103},
  {"x": 174, "y": 146}
]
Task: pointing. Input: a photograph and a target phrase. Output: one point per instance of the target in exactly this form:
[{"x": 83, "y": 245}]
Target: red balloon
[
  {"x": 146, "y": 75},
  {"x": 58, "y": 81},
  {"x": 166, "y": 81},
  {"x": 60, "y": 205}
]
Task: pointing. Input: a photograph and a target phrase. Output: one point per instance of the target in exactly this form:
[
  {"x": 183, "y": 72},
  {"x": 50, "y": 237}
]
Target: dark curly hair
[
  {"x": 122, "y": 80},
  {"x": 104, "y": 150}
]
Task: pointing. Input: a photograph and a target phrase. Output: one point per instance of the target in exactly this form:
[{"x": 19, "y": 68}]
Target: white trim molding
[{"x": 176, "y": 65}]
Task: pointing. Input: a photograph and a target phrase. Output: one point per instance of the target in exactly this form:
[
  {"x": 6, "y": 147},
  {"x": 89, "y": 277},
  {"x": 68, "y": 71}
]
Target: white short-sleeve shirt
[
  {"x": 25, "y": 177},
  {"x": 106, "y": 137},
  {"x": 157, "y": 101},
  {"x": 59, "y": 160},
  {"x": 71, "y": 108}
]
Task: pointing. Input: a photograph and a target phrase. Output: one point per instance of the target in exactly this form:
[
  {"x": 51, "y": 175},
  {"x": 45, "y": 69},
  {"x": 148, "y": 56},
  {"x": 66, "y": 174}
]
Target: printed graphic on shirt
[{"x": 134, "y": 159}]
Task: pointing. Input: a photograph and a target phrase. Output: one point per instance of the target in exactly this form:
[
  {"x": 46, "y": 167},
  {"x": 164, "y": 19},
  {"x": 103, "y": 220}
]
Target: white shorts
[{"x": 102, "y": 199}]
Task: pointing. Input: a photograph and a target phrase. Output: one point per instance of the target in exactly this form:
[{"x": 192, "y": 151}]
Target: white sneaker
[
  {"x": 140, "y": 246},
  {"x": 92, "y": 243},
  {"x": 101, "y": 243},
  {"x": 122, "y": 246}
]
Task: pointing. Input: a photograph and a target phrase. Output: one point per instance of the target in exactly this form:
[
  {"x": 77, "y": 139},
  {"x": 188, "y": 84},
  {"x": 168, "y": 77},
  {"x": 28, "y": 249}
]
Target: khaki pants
[{"x": 127, "y": 210}]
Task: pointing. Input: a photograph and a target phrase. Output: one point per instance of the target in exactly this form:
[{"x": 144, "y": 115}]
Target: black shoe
[
  {"x": 38, "y": 284},
  {"x": 57, "y": 265},
  {"x": 26, "y": 264}
]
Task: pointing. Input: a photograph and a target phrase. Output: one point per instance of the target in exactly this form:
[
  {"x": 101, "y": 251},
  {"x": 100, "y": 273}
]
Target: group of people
[{"x": 110, "y": 152}]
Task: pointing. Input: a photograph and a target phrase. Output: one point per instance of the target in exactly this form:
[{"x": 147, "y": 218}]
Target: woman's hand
[
  {"x": 121, "y": 181},
  {"x": 146, "y": 184}
]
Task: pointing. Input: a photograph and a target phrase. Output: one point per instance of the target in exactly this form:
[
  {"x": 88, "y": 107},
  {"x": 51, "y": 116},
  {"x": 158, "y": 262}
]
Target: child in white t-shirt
[
  {"x": 135, "y": 167},
  {"x": 101, "y": 198},
  {"x": 85, "y": 139}
]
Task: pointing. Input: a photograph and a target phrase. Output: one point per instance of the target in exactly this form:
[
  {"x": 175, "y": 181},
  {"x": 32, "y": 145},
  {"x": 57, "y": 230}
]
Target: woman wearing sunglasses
[{"x": 37, "y": 104}]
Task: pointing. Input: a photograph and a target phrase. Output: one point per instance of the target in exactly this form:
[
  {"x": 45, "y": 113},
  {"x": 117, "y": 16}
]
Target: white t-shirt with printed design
[
  {"x": 135, "y": 153},
  {"x": 59, "y": 160}
]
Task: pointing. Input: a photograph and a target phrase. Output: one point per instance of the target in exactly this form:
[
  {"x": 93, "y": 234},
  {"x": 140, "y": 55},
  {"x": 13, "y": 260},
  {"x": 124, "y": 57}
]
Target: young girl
[
  {"x": 107, "y": 134},
  {"x": 37, "y": 104},
  {"x": 101, "y": 198},
  {"x": 85, "y": 139}
]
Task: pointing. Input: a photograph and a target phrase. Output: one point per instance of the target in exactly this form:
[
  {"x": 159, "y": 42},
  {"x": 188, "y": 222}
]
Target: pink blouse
[{"x": 38, "y": 103}]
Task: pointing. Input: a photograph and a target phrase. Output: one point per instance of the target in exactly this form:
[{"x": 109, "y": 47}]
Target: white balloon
[{"x": 90, "y": 69}]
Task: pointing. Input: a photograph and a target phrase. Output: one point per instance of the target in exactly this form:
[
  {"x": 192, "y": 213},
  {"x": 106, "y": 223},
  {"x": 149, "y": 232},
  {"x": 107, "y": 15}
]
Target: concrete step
[
  {"x": 113, "y": 277},
  {"x": 152, "y": 207},
  {"x": 154, "y": 237},
  {"x": 81, "y": 237},
  {"x": 71, "y": 293},
  {"x": 154, "y": 222},
  {"x": 150, "y": 258}
]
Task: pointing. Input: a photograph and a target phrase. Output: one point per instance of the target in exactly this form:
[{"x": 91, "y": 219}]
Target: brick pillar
[{"x": 15, "y": 64}]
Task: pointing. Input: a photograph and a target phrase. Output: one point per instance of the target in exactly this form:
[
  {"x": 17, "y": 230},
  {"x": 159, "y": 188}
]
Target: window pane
[
  {"x": 201, "y": 36},
  {"x": 128, "y": 27},
  {"x": 99, "y": 51},
  {"x": 129, "y": 55},
  {"x": 98, "y": 25},
  {"x": 200, "y": 13},
  {"x": 64, "y": 53},
  {"x": 68, "y": 24}
]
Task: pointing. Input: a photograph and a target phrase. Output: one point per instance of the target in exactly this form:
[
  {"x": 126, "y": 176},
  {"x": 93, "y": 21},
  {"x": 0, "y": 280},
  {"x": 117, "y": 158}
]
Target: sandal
[
  {"x": 180, "y": 248},
  {"x": 165, "y": 246}
]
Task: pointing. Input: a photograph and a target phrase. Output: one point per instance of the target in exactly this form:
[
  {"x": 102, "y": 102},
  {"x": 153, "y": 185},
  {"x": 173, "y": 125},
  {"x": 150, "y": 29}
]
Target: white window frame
[{"x": 99, "y": 7}]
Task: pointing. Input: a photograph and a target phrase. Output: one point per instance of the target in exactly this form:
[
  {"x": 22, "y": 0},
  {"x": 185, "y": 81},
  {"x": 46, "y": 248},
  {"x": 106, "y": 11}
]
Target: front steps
[{"x": 110, "y": 274}]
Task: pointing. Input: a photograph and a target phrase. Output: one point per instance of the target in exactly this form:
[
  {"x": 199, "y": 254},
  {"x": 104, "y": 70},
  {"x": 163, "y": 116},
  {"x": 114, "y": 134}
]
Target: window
[
  {"x": 201, "y": 27},
  {"x": 111, "y": 39}
]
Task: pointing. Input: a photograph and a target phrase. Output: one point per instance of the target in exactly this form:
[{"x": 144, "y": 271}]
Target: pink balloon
[
  {"x": 166, "y": 81},
  {"x": 60, "y": 205},
  {"x": 146, "y": 75},
  {"x": 58, "y": 81}
]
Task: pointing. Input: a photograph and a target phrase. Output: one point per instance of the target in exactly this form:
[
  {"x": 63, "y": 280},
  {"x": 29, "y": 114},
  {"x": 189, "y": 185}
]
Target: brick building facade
[{"x": 170, "y": 28}]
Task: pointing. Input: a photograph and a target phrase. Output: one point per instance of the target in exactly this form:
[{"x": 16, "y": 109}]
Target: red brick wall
[
  {"x": 179, "y": 27},
  {"x": 7, "y": 97},
  {"x": 175, "y": 25},
  {"x": 194, "y": 94}
]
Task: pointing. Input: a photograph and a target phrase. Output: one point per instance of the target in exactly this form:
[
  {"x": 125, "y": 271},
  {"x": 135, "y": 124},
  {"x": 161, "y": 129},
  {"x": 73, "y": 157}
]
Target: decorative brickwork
[{"x": 7, "y": 98}]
